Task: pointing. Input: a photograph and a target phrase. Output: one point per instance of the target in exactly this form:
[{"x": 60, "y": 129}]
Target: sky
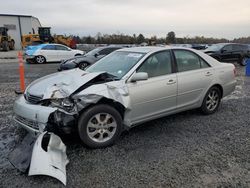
[{"x": 210, "y": 18}]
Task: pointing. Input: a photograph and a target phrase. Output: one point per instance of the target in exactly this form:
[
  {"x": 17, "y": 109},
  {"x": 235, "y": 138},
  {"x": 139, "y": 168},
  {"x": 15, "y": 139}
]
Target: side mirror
[
  {"x": 139, "y": 76},
  {"x": 96, "y": 55}
]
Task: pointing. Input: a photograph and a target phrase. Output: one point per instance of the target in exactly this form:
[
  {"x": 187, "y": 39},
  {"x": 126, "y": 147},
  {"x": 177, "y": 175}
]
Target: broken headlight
[{"x": 65, "y": 103}]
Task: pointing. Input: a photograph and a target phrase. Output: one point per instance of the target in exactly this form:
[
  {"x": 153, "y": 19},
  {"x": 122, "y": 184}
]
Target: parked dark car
[
  {"x": 229, "y": 52},
  {"x": 85, "y": 60},
  {"x": 199, "y": 46}
]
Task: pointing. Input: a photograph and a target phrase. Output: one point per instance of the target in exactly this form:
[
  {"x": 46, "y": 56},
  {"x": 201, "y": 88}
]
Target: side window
[
  {"x": 240, "y": 47},
  {"x": 49, "y": 47},
  {"x": 157, "y": 64},
  {"x": 187, "y": 60},
  {"x": 244, "y": 47},
  {"x": 110, "y": 50},
  {"x": 203, "y": 63},
  {"x": 58, "y": 47},
  {"x": 104, "y": 51},
  {"x": 228, "y": 48}
]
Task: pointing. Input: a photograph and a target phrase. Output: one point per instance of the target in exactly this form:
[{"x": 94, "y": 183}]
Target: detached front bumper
[{"x": 33, "y": 118}]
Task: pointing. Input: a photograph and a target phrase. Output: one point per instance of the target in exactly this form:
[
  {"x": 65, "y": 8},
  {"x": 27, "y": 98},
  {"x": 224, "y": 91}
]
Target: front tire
[
  {"x": 211, "y": 101},
  {"x": 40, "y": 59},
  {"x": 100, "y": 126},
  {"x": 83, "y": 65}
]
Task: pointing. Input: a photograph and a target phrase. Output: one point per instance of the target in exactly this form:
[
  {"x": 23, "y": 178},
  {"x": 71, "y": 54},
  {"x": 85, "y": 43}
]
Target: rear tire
[
  {"x": 211, "y": 101},
  {"x": 40, "y": 59},
  {"x": 100, "y": 126},
  {"x": 243, "y": 61}
]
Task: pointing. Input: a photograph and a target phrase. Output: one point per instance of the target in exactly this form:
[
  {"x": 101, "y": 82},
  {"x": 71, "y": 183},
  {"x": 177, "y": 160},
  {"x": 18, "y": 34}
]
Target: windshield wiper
[{"x": 111, "y": 77}]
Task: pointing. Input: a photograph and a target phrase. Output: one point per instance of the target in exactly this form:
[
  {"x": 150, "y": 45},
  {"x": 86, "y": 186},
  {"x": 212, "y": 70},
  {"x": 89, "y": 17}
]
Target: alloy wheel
[
  {"x": 40, "y": 59},
  {"x": 213, "y": 100},
  {"x": 101, "y": 127}
]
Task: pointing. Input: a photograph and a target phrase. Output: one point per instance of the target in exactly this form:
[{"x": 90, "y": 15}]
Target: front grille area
[
  {"x": 27, "y": 122},
  {"x": 33, "y": 99}
]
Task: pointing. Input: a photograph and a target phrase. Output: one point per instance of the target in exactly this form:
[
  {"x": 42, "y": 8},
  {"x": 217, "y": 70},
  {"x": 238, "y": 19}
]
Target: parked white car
[{"x": 50, "y": 53}]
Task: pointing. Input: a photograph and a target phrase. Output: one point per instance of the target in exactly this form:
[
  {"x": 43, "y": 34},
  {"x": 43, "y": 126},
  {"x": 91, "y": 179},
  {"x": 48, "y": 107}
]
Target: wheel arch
[
  {"x": 116, "y": 105},
  {"x": 219, "y": 87}
]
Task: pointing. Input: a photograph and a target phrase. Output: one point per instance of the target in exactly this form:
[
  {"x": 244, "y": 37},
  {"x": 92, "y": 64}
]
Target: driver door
[
  {"x": 226, "y": 54},
  {"x": 49, "y": 52},
  {"x": 158, "y": 94}
]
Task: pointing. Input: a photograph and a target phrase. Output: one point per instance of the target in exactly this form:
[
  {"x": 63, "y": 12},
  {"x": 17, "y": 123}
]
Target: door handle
[
  {"x": 208, "y": 74},
  {"x": 171, "y": 81}
]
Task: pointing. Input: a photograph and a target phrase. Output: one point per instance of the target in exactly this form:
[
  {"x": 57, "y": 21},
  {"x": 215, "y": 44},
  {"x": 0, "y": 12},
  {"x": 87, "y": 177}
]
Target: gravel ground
[{"x": 183, "y": 150}]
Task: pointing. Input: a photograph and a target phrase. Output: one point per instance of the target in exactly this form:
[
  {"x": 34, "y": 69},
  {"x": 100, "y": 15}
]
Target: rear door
[
  {"x": 237, "y": 52},
  {"x": 194, "y": 77},
  {"x": 63, "y": 52},
  {"x": 157, "y": 95}
]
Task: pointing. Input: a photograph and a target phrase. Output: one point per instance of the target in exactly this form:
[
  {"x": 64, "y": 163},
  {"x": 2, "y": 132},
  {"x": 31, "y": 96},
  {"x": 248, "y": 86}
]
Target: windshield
[
  {"x": 93, "y": 52},
  {"x": 215, "y": 47},
  {"x": 117, "y": 63}
]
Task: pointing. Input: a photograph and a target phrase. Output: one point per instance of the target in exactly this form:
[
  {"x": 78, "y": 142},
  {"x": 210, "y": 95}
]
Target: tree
[
  {"x": 171, "y": 37},
  {"x": 98, "y": 38},
  {"x": 140, "y": 39},
  {"x": 89, "y": 40}
]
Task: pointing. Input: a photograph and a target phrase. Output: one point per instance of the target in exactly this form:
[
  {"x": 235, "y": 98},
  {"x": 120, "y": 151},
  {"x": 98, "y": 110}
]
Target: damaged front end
[{"x": 57, "y": 110}]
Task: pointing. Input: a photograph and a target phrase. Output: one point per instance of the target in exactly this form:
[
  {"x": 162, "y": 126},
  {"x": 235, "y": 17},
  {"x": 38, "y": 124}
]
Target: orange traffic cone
[{"x": 21, "y": 72}]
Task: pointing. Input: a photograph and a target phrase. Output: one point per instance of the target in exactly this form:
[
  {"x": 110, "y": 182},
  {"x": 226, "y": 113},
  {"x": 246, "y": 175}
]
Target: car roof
[
  {"x": 104, "y": 47},
  {"x": 152, "y": 49},
  {"x": 55, "y": 44},
  {"x": 228, "y": 43},
  {"x": 50, "y": 44},
  {"x": 145, "y": 49},
  {"x": 41, "y": 45}
]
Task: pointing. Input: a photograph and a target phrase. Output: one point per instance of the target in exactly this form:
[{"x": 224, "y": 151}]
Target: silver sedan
[{"x": 124, "y": 89}]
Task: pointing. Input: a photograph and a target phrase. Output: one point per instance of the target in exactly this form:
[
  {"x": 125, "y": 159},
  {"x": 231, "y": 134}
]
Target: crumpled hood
[{"x": 61, "y": 84}]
